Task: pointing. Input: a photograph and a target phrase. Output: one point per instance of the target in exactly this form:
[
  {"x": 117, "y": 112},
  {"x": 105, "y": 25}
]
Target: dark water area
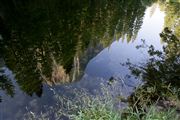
[{"x": 52, "y": 47}]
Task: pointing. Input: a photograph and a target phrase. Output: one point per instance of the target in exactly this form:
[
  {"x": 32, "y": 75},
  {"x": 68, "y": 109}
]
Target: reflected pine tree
[
  {"x": 172, "y": 18},
  {"x": 6, "y": 84},
  {"x": 46, "y": 39}
]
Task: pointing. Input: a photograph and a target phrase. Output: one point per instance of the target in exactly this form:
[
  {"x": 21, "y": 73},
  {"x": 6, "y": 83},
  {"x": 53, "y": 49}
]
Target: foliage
[
  {"x": 152, "y": 114},
  {"x": 96, "y": 114},
  {"x": 161, "y": 74},
  {"x": 102, "y": 113}
]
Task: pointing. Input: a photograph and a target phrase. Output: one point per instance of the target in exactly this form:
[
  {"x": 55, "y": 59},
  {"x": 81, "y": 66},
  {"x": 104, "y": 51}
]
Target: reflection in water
[
  {"x": 58, "y": 73},
  {"x": 54, "y": 30},
  {"x": 172, "y": 18},
  {"x": 51, "y": 42},
  {"x": 6, "y": 84}
]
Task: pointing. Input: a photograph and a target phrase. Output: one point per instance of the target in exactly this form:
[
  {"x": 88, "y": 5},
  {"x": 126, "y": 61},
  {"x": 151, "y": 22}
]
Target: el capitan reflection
[
  {"x": 49, "y": 41},
  {"x": 52, "y": 44}
]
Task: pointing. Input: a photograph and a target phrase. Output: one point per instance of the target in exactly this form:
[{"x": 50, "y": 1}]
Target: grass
[
  {"x": 104, "y": 113},
  {"x": 100, "y": 107},
  {"x": 151, "y": 114},
  {"x": 97, "y": 113}
]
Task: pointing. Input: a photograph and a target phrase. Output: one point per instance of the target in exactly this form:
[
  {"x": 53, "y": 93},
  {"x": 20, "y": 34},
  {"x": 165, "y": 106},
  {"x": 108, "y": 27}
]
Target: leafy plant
[{"x": 161, "y": 74}]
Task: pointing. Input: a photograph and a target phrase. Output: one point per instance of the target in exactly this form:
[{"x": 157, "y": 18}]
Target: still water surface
[{"x": 52, "y": 49}]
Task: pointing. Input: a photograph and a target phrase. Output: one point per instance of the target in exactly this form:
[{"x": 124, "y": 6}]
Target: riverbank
[{"x": 104, "y": 107}]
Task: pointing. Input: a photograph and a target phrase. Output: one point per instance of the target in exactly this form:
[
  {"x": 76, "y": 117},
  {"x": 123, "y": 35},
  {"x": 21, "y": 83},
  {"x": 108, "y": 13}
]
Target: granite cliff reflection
[{"x": 52, "y": 41}]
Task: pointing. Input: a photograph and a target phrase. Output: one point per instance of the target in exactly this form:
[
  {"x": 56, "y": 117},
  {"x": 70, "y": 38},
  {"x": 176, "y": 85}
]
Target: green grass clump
[
  {"x": 103, "y": 113},
  {"x": 150, "y": 114},
  {"x": 97, "y": 113}
]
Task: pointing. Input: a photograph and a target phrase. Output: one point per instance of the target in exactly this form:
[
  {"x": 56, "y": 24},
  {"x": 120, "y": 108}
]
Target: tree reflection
[
  {"x": 6, "y": 84},
  {"x": 45, "y": 40},
  {"x": 172, "y": 15}
]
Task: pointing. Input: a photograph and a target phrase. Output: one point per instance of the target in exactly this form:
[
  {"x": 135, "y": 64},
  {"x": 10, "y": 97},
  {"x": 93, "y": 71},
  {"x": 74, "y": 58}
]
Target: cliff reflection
[{"x": 52, "y": 41}]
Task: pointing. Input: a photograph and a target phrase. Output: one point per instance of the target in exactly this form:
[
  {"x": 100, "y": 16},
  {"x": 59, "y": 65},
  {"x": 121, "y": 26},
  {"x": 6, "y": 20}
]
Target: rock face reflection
[
  {"x": 58, "y": 74},
  {"x": 52, "y": 41}
]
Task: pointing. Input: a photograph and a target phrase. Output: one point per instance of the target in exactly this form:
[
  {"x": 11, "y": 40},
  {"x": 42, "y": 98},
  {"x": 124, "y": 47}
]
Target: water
[{"x": 56, "y": 46}]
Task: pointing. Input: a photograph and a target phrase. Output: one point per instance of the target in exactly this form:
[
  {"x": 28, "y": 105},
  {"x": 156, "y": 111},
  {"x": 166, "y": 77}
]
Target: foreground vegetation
[
  {"x": 102, "y": 113},
  {"x": 102, "y": 107},
  {"x": 160, "y": 74}
]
